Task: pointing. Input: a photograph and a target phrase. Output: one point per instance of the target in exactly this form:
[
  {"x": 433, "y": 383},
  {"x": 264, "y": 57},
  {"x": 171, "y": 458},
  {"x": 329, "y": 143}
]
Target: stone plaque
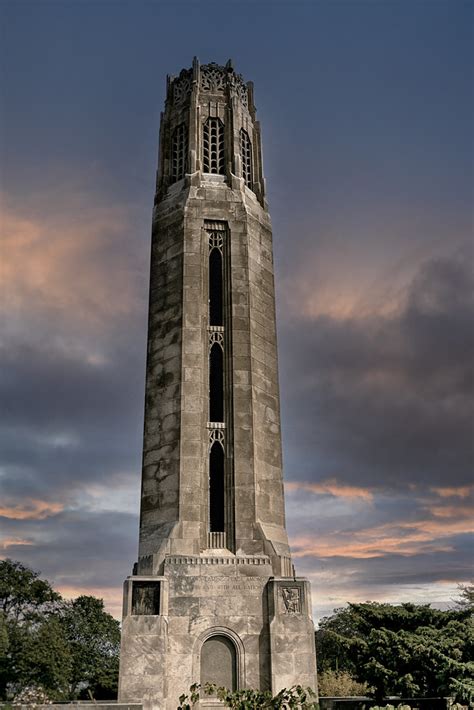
[
  {"x": 146, "y": 598},
  {"x": 291, "y": 600}
]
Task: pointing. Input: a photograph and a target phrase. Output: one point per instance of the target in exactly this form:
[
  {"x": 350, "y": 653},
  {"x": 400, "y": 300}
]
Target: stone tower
[{"x": 214, "y": 596}]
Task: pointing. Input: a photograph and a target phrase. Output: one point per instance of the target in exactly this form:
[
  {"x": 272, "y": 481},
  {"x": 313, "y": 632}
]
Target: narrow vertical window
[
  {"x": 216, "y": 489},
  {"x": 220, "y": 510},
  {"x": 179, "y": 149},
  {"x": 216, "y": 310},
  {"x": 216, "y": 384},
  {"x": 246, "y": 155},
  {"x": 213, "y": 147}
]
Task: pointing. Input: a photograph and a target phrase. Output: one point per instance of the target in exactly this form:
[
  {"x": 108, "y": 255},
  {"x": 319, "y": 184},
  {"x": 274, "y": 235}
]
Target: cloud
[
  {"x": 30, "y": 509},
  {"x": 74, "y": 282},
  {"x": 454, "y": 492},
  {"x": 73, "y": 344},
  {"x": 386, "y": 401},
  {"x": 8, "y": 542},
  {"x": 404, "y": 543},
  {"x": 404, "y": 538},
  {"x": 78, "y": 550},
  {"x": 72, "y": 260},
  {"x": 376, "y": 411},
  {"x": 330, "y": 487}
]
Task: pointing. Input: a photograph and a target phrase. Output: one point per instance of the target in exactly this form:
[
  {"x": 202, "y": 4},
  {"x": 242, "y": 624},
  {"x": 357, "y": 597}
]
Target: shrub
[
  {"x": 340, "y": 683},
  {"x": 296, "y": 697}
]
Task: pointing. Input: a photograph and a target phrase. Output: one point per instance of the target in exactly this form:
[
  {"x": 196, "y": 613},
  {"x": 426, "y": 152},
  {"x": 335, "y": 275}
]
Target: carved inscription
[
  {"x": 228, "y": 587},
  {"x": 210, "y": 586},
  {"x": 291, "y": 598}
]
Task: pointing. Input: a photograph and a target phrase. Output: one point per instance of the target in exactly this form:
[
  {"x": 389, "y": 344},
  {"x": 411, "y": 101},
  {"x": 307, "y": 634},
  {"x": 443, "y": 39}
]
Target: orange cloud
[
  {"x": 454, "y": 492},
  {"x": 31, "y": 510},
  {"x": 406, "y": 538},
  {"x": 67, "y": 253},
  {"x": 452, "y": 511},
  {"x": 13, "y": 542},
  {"x": 331, "y": 487},
  {"x": 333, "y": 277}
]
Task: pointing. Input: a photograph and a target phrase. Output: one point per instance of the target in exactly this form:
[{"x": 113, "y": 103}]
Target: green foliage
[
  {"x": 27, "y": 624},
  {"x": 339, "y": 683},
  {"x": 466, "y": 596},
  {"x": 295, "y": 697},
  {"x": 41, "y": 657},
  {"x": 50, "y": 646},
  {"x": 94, "y": 640},
  {"x": 408, "y": 650},
  {"x": 22, "y": 593}
]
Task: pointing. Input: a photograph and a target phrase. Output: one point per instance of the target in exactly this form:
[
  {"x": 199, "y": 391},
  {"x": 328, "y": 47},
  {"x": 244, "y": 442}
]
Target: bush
[
  {"x": 32, "y": 695},
  {"x": 340, "y": 683},
  {"x": 296, "y": 697}
]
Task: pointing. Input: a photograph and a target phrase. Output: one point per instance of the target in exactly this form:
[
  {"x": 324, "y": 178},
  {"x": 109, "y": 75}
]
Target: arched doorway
[{"x": 219, "y": 662}]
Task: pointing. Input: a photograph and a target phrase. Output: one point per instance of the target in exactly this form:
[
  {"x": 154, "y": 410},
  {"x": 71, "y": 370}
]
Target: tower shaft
[{"x": 214, "y": 578}]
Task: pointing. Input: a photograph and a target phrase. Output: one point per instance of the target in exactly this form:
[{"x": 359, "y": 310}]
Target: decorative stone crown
[{"x": 210, "y": 78}]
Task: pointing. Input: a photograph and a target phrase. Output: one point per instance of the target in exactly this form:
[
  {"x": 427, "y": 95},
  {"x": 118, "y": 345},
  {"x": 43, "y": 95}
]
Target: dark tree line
[
  {"x": 50, "y": 647},
  {"x": 407, "y": 650}
]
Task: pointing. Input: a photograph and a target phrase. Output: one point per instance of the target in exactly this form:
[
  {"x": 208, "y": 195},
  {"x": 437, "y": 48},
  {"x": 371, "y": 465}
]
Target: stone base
[{"x": 224, "y": 620}]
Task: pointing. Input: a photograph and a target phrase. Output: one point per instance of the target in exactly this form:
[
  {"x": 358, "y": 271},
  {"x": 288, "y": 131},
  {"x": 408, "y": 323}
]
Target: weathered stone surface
[{"x": 233, "y": 585}]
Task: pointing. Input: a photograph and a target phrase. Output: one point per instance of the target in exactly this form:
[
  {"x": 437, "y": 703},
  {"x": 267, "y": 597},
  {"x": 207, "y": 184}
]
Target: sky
[{"x": 367, "y": 112}]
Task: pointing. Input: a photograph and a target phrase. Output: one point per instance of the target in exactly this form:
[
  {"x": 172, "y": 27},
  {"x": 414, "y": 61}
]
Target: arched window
[
  {"x": 179, "y": 149},
  {"x": 246, "y": 155},
  {"x": 216, "y": 489},
  {"x": 213, "y": 147}
]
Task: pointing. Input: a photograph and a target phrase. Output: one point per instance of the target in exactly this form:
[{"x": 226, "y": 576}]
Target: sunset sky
[{"x": 367, "y": 113}]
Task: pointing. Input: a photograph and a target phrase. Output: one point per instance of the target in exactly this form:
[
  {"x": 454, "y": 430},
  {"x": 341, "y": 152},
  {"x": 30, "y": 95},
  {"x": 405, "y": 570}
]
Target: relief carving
[
  {"x": 182, "y": 85},
  {"x": 291, "y": 597},
  {"x": 214, "y": 78},
  {"x": 216, "y": 336},
  {"x": 216, "y": 435},
  {"x": 216, "y": 240}
]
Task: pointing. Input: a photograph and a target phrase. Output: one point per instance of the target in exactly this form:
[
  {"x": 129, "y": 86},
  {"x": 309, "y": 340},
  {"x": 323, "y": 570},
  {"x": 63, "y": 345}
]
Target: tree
[
  {"x": 33, "y": 644},
  {"x": 408, "y": 649},
  {"x": 60, "y": 648},
  {"x": 466, "y": 596},
  {"x": 22, "y": 593},
  {"x": 94, "y": 641},
  {"x": 41, "y": 658}
]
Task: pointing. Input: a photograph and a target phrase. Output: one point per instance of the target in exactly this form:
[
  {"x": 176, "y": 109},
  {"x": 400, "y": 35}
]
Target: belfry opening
[
  {"x": 216, "y": 489},
  {"x": 216, "y": 384},
  {"x": 215, "y": 287}
]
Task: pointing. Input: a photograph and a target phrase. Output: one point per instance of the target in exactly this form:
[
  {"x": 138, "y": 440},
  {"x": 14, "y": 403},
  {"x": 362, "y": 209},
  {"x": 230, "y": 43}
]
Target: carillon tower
[{"x": 213, "y": 596}]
